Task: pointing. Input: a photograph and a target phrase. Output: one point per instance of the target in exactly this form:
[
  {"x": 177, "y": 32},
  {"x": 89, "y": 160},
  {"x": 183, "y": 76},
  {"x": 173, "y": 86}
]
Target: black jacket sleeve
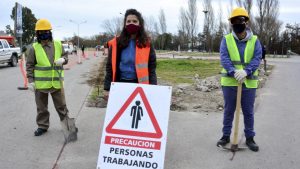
[
  {"x": 108, "y": 75},
  {"x": 152, "y": 66}
]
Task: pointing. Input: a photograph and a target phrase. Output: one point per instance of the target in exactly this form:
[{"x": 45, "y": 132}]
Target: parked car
[
  {"x": 68, "y": 48},
  {"x": 9, "y": 54}
]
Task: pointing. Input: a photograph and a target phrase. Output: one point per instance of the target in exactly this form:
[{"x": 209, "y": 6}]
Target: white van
[{"x": 68, "y": 48}]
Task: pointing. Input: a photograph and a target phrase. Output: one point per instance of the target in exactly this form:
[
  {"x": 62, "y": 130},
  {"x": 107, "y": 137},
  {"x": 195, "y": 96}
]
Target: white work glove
[
  {"x": 31, "y": 86},
  {"x": 60, "y": 61},
  {"x": 240, "y": 75}
]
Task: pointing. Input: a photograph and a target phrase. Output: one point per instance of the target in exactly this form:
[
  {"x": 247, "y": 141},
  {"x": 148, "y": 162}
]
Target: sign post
[
  {"x": 135, "y": 129},
  {"x": 18, "y": 23}
]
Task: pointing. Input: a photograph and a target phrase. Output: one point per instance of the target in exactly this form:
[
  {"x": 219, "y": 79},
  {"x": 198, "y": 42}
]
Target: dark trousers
[
  {"x": 247, "y": 104},
  {"x": 41, "y": 99}
]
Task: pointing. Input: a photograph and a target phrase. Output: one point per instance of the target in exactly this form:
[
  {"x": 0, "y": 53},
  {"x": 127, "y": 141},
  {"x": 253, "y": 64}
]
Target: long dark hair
[{"x": 141, "y": 36}]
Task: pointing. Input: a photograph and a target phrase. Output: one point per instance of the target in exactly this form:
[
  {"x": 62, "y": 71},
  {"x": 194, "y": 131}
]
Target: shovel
[
  {"x": 234, "y": 146},
  {"x": 68, "y": 124}
]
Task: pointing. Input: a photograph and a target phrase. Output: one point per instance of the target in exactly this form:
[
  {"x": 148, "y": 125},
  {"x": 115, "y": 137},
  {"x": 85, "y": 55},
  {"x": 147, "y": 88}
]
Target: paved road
[
  {"x": 191, "y": 136},
  {"x": 18, "y": 147}
]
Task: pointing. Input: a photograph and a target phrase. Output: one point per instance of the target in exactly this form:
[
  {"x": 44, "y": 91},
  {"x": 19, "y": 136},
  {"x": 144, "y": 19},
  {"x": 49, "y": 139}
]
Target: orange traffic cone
[{"x": 22, "y": 63}]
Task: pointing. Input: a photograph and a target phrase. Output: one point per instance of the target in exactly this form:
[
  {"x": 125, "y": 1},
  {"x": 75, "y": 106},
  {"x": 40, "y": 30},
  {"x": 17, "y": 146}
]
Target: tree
[
  {"x": 192, "y": 14},
  {"x": 188, "y": 25},
  {"x": 166, "y": 40},
  {"x": 163, "y": 29},
  {"x": 114, "y": 26},
  {"x": 220, "y": 30},
  {"x": 28, "y": 25},
  {"x": 162, "y": 21},
  {"x": 183, "y": 29},
  {"x": 103, "y": 38},
  {"x": 266, "y": 24},
  {"x": 293, "y": 37},
  {"x": 8, "y": 30},
  {"x": 151, "y": 27}
]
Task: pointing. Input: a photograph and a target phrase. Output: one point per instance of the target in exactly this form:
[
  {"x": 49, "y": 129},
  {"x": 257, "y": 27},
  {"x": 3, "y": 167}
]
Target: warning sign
[{"x": 135, "y": 128}]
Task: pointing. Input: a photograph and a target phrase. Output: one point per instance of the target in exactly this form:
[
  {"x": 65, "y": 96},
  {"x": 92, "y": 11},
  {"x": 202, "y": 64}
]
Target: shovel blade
[
  {"x": 224, "y": 147},
  {"x": 69, "y": 129},
  {"x": 233, "y": 148}
]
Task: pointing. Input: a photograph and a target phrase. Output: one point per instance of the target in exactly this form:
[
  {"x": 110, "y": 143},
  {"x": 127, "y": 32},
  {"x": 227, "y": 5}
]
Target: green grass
[
  {"x": 183, "y": 70},
  {"x": 185, "y": 53},
  {"x": 162, "y": 51},
  {"x": 197, "y": 54}
]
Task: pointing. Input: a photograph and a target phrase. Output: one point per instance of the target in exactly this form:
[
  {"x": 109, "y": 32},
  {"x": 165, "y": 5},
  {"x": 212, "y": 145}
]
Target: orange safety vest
[
  {"x": 109, "y": 43},
  {"x": 141, "y": 62}
]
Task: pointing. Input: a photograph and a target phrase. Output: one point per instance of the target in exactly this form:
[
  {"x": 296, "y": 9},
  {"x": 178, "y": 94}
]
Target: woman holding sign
[{"x": 131, "y": 57}]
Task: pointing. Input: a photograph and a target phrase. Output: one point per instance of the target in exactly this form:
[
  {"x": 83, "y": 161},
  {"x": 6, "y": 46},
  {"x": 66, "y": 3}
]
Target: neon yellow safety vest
[
  {"x": 46, "y": 75},
  {"x": 251, "y": 81}
]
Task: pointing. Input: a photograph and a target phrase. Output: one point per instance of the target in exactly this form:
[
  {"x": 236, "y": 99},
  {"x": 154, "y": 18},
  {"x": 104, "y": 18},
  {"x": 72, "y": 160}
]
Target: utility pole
[
  {"x": 78, "y": 45},
  {"x": 205, "y": 11},
  {"x": 78, "y": 23},
  {"x": 18, "y": 23}
]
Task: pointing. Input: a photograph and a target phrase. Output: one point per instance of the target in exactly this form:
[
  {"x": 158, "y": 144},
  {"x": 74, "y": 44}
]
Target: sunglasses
[
  {"x": 43, "y": 32},
  {"x": 238, "y": 20}
]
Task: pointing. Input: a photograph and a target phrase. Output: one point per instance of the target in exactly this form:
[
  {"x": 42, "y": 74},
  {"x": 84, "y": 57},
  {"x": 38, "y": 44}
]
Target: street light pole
[
  {"x": 78, "y": 23},
  {"x": 78, "y": 45},
  {"x": 77, "y": 35},
  {"x": 205, "y": 11}
]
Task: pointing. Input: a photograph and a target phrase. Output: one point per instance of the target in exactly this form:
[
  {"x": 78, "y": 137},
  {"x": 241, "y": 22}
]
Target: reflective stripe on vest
[
  {"x": 141, "y": 62},
  {"x": 251, "y": 81},
  {"x": 46, "y": 75}
]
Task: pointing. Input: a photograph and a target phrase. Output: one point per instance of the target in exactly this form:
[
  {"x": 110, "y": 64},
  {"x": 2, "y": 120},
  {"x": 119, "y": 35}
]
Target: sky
[{"x": 95, "y": 12}]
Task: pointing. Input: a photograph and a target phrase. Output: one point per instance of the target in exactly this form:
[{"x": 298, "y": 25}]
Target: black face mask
[
  {"x": 44, "y": 36},
  {"x": 238, "y": 28}
]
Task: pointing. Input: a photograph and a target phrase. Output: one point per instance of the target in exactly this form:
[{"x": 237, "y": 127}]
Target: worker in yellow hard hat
[
  {"x": 44, "y": 72},
  {"x": 240, "y": 54}
]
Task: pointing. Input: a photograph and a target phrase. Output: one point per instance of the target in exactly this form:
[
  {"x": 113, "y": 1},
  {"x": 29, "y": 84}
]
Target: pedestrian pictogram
[{"x": 137, "y": 114}]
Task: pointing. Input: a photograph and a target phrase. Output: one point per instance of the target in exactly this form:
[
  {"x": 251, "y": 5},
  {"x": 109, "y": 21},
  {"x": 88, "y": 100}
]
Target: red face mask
[{"x": 132, "y": 28}]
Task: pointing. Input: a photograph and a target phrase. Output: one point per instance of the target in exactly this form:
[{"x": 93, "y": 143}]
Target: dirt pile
[{"x": 204, "y": 95}]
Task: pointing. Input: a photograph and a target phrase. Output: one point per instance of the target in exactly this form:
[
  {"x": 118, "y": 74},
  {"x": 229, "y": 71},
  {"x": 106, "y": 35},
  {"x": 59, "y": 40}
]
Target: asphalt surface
[{"x": 192, "y": 136}]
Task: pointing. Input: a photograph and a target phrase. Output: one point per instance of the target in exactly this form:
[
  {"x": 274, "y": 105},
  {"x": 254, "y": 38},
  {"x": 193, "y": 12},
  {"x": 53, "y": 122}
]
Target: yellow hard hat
[
  {"x": 43, "y": 24},
  {"x": 239, "y": 12}
]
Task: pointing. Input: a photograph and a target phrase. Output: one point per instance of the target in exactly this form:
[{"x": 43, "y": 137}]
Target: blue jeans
[{"x": 247, "y": 104}]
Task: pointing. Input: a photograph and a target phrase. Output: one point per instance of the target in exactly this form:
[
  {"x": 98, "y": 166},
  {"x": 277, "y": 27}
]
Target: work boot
[
  {"x": 223, "y": 141},
  {"x": 39, "y": 131},
  {"x": 251, "y": 144}
]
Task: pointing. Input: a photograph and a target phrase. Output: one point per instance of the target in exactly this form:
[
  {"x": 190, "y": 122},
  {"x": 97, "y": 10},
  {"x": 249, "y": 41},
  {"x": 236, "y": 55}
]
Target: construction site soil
[{"x": 204, "y": 95}]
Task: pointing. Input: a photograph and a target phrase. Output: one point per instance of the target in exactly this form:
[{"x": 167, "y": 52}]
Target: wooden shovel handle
[{"x": 237, "y": 114}]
